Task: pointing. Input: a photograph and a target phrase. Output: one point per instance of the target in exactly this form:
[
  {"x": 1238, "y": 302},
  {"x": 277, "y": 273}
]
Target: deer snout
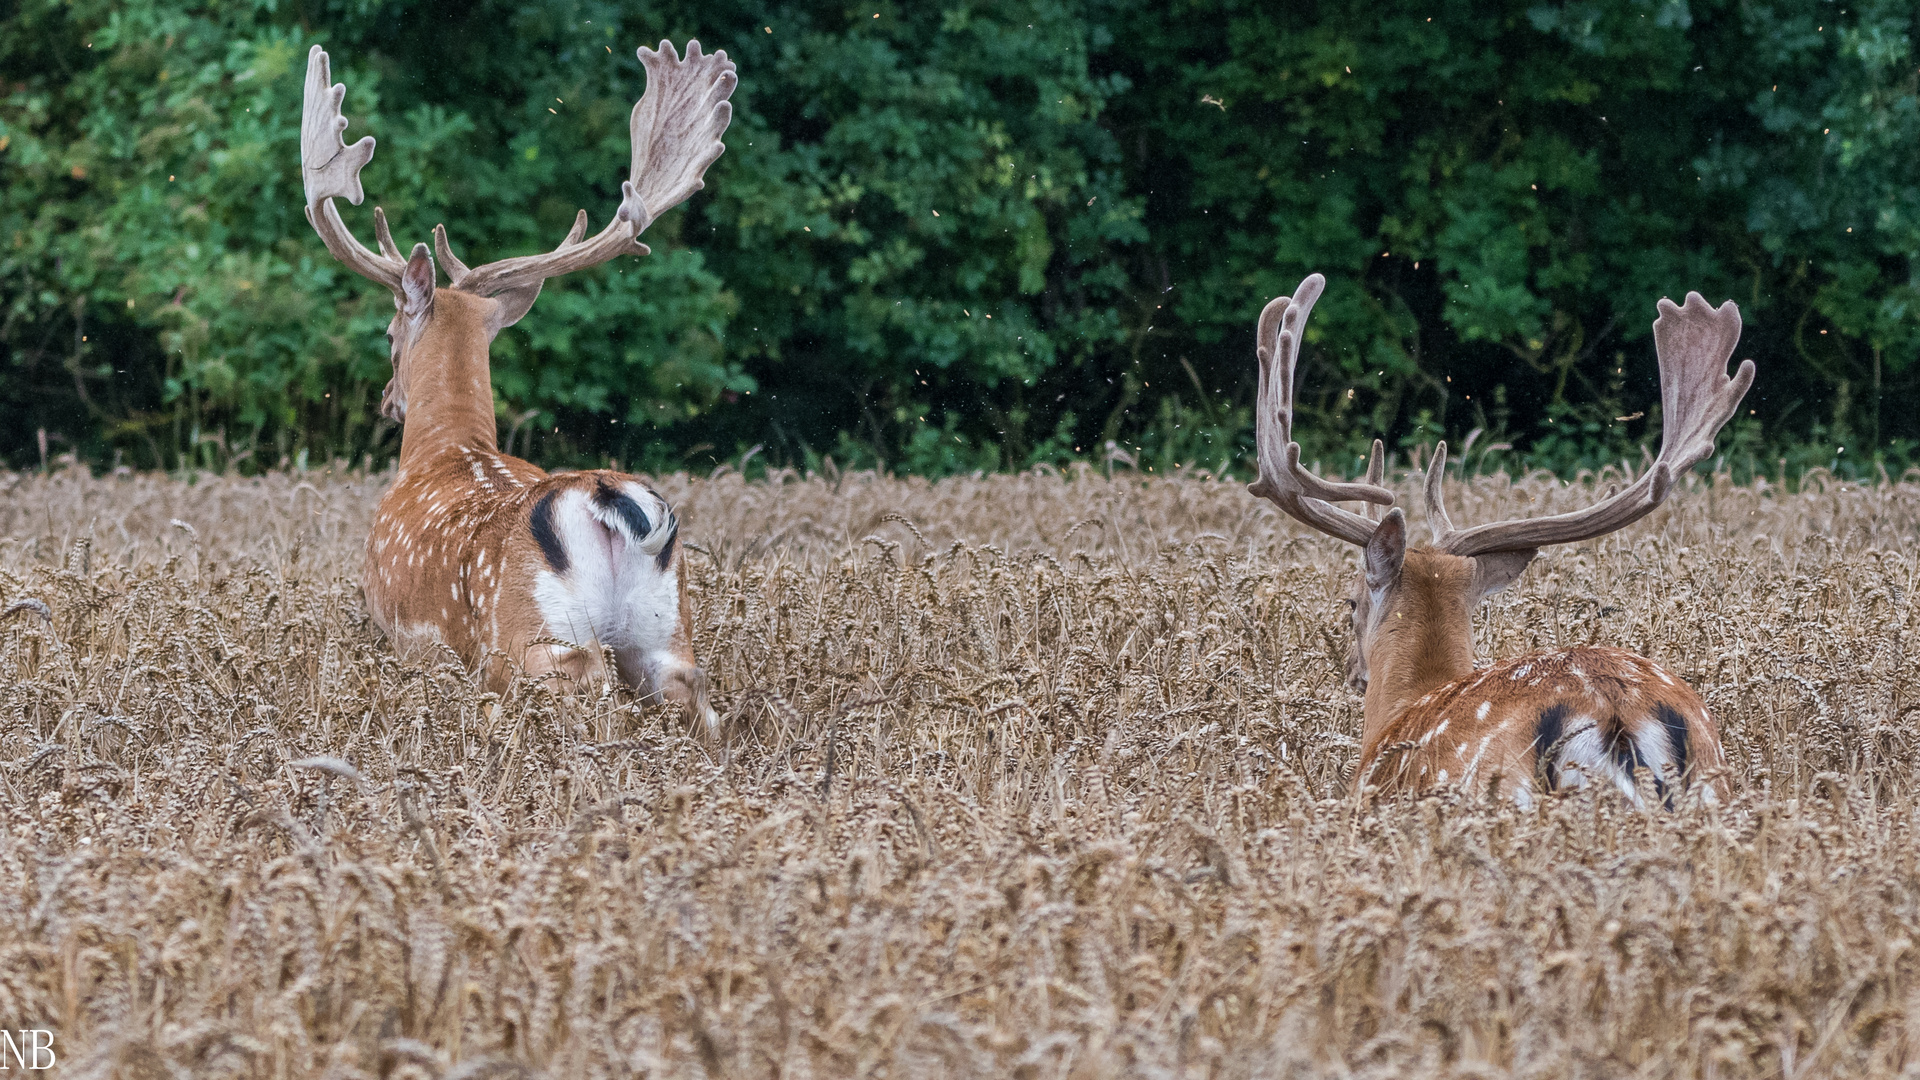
[{"x": 1356, "y": 672}]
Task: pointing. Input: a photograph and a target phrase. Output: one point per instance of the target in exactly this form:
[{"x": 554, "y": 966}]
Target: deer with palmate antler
[
  {"x": 1546, "y": 720},
  {"x": 470, "y": 548}
]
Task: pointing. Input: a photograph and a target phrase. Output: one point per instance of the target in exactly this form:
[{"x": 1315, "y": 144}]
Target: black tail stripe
[
  {"x": 611, "y": 499},
  {"x": 1626, "y": 751},
  {"x": 666, "y": 550},
  {"x": 634, "y": 517},
  {"x": 1553, "y": 722},
  {"x": 546, "y": 535},
  {"x": 1676, "y": 726}
]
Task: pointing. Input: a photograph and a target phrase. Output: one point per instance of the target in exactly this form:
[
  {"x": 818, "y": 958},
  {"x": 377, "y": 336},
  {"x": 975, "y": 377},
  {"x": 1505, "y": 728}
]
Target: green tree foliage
[{"x": 975, "y": 236}]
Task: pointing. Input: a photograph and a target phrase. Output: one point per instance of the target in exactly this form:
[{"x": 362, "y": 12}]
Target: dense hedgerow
[{"x": 985, "y": 235}]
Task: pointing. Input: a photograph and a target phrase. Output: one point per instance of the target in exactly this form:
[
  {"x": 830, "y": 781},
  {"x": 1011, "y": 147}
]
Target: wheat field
[{"x": 1037, "y": 776}]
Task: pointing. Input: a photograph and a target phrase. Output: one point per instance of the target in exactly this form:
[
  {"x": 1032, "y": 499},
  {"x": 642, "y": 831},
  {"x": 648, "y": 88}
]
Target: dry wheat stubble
[{"x": 1031, "y": 776}]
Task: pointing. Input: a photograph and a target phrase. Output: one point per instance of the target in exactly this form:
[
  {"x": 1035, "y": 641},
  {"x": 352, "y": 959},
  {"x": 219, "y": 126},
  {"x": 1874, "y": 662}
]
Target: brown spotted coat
[
  {"x": 452, "y": 559},
  {"x": 1543, "y": 721}
]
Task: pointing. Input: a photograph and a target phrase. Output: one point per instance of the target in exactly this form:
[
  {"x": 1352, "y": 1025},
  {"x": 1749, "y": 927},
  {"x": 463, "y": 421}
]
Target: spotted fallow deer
[
  {"x": 482, "y": 552},
  {"x": 1546, "y": 720}
]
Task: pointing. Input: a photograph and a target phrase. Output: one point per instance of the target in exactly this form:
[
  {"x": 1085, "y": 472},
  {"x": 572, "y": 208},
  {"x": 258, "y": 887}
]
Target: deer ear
[
  {"x": 416, "y": 285},
  {"x": 510, "y": 306},
  {"x": 1498, "y": 569},
  {"x": 1386, "y": 550}
]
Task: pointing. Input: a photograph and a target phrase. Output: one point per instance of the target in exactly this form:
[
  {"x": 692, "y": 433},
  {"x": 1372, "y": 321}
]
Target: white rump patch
[
  {"x": 614, "y": 592},
  {"x": 1656, "y": 751},
  {"x": 1585, "y": 756}
]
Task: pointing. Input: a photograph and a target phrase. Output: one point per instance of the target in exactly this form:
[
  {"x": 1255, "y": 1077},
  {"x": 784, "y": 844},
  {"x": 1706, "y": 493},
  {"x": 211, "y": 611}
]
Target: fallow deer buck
[
  {"x": 479, "y": 551},
  {"x": 1553, "y": 719}
]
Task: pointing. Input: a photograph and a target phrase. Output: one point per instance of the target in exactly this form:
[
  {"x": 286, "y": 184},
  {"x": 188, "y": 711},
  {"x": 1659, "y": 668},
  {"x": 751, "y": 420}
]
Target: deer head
[{"x": 1411, "y": 608}]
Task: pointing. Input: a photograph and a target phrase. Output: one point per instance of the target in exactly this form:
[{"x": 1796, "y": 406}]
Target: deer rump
[
  {"x": 1570, "y": 748},
  {"x": 1565, "y": 719},
  {"x": 610, "y": 577}
]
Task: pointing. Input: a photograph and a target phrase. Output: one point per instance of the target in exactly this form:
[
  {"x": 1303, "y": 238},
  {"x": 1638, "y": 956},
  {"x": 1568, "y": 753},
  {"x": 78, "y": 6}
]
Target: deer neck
[
  {"x": 1424, "y": 639},
  {"x": 449, "y": 384}
]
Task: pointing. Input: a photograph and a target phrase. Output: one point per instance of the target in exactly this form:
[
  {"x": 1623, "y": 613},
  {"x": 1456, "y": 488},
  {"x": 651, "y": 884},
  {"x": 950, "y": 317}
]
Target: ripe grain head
[{"x": 1036, "y": 775}]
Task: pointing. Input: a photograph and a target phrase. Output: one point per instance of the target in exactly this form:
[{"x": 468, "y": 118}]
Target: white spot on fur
[
  {"x": 1481, "y": 712},
  {"x": 1473, "y": 767}
]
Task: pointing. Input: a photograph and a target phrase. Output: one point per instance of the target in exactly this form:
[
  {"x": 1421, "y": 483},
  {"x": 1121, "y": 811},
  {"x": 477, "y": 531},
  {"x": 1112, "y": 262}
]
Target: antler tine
[
  {"x": 676, "y": 128},
  {"x": 1437, "y": 518},
  {"x": 1376, "y": 476},
  {"x": 456, "y": 270},
  {"x": 1694, "y": 342},
  {"x": 330, "y": 169},
  {"x": 385, "y": 236},
  {"x": 1302, "y": 495}
]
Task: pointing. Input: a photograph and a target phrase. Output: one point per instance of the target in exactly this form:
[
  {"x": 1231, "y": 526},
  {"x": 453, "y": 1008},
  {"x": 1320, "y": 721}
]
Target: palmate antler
[
  {"x": 1694, "y": 342},
  {"x": 1300, "y": 493},
  {"x": 675, "y": 127},
  {"x": 331, "y": 169}
]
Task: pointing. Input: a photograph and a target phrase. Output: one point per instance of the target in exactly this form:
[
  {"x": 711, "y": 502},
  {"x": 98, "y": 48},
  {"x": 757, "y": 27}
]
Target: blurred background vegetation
[{"x": 977, "y": 235}]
